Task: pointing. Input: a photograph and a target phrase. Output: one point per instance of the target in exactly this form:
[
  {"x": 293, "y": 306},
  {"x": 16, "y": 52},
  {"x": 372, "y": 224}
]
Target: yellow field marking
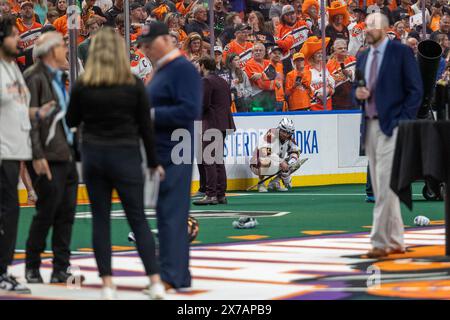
[
  {"x": 21, "y": 256},
  {"x": 122, "y": 248},
  {"x": 319, "y": 232},
  {"x": 249, "y": 237}
]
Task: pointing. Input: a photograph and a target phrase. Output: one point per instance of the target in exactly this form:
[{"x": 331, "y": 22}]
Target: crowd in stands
[{"x": 270, "y": 52}]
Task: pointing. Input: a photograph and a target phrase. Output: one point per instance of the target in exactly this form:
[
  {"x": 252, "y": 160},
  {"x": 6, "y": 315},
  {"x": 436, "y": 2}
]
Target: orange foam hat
[
  {"x": 338, "y": 8},
  {"x": 312, "y": 45},
  {"x": 307, "y": 4}
]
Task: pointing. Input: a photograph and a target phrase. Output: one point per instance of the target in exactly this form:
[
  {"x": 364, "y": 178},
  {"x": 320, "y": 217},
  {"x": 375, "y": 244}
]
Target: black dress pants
[
  {"x": 9, "y": 211},
  {"x": 117, "y": 167},
  {"x": 55, "y": 208},
  {"x": 215, "y": 174}
]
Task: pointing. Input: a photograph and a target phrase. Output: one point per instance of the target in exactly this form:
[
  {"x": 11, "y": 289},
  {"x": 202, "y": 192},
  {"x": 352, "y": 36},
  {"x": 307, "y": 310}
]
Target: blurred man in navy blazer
[
  {"x": 392, "y": 92},
  {"x": 177, "y": 102}
]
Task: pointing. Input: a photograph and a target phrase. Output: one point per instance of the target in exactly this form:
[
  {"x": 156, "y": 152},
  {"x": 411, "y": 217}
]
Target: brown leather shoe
[
  {"x": 377, "y": 253},
  {"x": 205, "y": 201},
  {"x": 397, "y": 251}
]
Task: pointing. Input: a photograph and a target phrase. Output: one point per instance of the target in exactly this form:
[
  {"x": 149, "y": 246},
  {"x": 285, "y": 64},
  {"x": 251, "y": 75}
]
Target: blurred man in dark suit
[
  {"x": 177, "y": 103},
  {"x": 216, "y": 115}
]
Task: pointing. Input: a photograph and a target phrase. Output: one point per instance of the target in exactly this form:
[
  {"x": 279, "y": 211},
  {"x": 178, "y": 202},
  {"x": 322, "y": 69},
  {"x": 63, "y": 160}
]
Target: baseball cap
[
  {"x": 243, "y": 27},
  {"x": 275, "y": 48},
  {"x": 218, "y": 48},
  {"x": 151, "y": 31},
  {"x": 287, "y": 9},
  {"x": 26, "y": 3},
  {"x": 298, "y": 55}
]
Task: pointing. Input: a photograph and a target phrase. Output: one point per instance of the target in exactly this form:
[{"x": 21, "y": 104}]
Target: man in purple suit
[{"x": 216, "y": 115}]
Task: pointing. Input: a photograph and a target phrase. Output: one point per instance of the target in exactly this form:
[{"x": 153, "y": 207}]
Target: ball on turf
[{"x": 421, "y": 221}]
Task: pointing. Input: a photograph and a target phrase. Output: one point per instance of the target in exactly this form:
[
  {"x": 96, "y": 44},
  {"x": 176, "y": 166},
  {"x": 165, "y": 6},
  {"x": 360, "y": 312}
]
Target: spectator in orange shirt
[
  {"x": 342, "y": 68},
  {"x": 240, "y": 45},
  {"x": 275, "y": 55},
  {"x": 262, "y": 75},
  {"x": 184, "y": 7},
  {"x": 310, "y": 10},
  {"x": 90, "y": 10},
  {"x": 296, "y": 90},
  {"x": 27, "y": 21},
  {"x": 61, "y": 26},
  {"x": 312, "y": 50},
  {"x": 173, "y": 22},
  {"x": 15, "y": 7},
  {"x": 436, "y": 14},
  {"x": 29, "y": 31},
  {"x": 290, "y": 35}
]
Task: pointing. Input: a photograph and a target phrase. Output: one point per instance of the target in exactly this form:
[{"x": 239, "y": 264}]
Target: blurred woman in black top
[{"x": 111, "y": 106}]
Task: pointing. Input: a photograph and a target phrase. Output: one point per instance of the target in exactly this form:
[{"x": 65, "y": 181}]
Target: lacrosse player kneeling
[{"x": 277, "y": 156}]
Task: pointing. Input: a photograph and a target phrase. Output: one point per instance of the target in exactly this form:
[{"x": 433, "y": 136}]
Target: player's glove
[{"x": 297, "y": 164}]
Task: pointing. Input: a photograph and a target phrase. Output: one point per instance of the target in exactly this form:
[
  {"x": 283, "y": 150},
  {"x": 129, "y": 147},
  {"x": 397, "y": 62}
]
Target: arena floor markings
[
  {"x": 317, "y": 267},
  {"x": 309, "y": 244}
]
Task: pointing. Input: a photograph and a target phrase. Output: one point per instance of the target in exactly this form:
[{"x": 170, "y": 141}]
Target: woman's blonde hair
[{"x": 107, "y": 62}]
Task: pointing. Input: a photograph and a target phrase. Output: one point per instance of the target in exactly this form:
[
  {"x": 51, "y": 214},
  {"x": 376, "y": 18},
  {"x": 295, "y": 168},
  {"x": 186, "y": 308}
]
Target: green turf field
[{"x": 324, "y": 208}]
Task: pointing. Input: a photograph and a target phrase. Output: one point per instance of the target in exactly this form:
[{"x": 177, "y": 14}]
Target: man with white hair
[
  {"x": 342, "y": 68},
  {"x": 392, "y": 92},
  {"x": 53, "y": 170},
  {"x": 199, "y": 25}
]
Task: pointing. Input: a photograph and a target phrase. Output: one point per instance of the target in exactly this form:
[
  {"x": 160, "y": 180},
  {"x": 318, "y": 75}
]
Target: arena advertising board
[{"x": 330, "y": 141}]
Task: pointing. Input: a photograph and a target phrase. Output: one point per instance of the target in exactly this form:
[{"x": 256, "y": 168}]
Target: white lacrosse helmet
[{"x": 287, "y": 125}]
